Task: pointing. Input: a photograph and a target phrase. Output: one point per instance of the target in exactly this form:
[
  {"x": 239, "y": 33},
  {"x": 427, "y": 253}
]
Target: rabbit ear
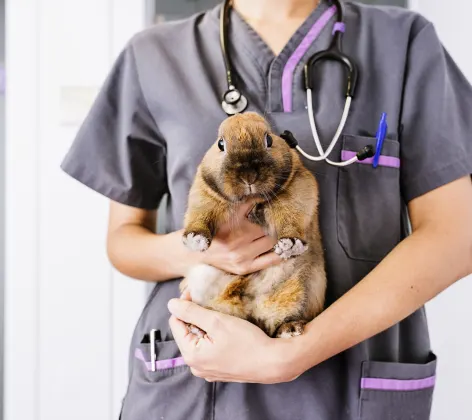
[
  {"x": 243, "y": 119},
  {"x": 255, "y": 117}
]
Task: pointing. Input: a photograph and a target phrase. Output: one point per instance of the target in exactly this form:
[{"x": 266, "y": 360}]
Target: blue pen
[{"x": 381, "y": 134}]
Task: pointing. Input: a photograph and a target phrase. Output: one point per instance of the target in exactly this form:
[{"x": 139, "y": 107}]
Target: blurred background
[{"x": 67, "y": 315}]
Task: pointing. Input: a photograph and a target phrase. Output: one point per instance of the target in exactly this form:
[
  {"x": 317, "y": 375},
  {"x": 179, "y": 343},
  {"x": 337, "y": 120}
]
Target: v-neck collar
[
  {"x": 244, "y": 39},
  {"x": 253, "y": 38}
]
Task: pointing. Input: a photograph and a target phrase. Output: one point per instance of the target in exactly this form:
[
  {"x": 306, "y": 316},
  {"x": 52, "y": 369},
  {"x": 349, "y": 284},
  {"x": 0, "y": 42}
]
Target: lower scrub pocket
[
  {"x": 170, "y": 392},
  {"x": 397, "y": 391}
]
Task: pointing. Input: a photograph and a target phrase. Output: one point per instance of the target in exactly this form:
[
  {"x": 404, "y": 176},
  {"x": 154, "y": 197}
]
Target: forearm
[
  {"x": 417, "y": 270},
  {"x": 139, "y": 253}
]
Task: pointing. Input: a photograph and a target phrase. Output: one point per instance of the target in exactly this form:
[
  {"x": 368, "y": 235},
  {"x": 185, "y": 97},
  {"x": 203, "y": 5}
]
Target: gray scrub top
[{"x": 158, "y": 113}]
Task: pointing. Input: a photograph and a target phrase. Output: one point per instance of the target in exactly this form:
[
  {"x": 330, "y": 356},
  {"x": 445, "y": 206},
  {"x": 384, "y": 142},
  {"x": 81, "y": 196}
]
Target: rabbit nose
[{"x": 249, "y": 177}]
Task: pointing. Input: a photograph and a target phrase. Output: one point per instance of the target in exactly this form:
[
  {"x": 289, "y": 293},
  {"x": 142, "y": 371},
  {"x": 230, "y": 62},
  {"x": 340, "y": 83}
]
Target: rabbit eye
[
  {"x": 221, "y": 144},
  {"x": 268, "y": 140}
]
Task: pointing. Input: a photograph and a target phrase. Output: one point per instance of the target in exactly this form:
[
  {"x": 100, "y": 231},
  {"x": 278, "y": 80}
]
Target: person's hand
[
  {"x": 239, "y": 244},
  {"x": 233, "y": 349}
]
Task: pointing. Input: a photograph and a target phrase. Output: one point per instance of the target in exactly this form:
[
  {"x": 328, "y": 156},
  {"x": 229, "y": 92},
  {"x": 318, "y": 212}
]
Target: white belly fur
[{"x": 205, "y": 282}]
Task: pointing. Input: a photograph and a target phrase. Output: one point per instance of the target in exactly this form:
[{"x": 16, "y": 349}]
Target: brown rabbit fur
[{"x": 283, "y": 298}]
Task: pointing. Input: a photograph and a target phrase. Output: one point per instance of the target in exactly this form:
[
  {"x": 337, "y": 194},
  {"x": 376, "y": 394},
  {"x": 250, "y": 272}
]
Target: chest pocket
[{"x": 369, "y": 201}]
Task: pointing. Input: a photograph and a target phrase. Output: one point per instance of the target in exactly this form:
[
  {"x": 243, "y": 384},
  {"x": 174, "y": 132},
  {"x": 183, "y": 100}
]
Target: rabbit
[{"x": 249, "y": 162}]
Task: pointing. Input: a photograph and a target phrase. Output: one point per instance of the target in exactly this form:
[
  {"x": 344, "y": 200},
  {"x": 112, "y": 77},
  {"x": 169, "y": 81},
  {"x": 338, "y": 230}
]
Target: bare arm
[
  {"x": 136, "y": 251},
  {"x": 435, "y": 256}
]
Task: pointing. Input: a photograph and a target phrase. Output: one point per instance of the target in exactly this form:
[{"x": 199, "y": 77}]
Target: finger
[
  {"x": 195, "y": 372},
  {"x": 244, "y": 209},
  {"x": 264, "y": 261},
  {"x": 186, "y": 341},
  {"x": 214, "y": 379},
  {"x": 192, "y": 313},
  {"x": 180, "y": 331},
  {"x": 253, "y": 232},
  {"x": 238, "y": 226},
  {"x": 205, "y": 375},
  {"x": 186, "y": 295},
  {"x": 259, "y": 247},
  {"x": 198, "y": 373}
]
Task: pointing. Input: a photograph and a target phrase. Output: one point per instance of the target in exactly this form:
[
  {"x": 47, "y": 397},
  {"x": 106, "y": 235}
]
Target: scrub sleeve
[
  {"x": 118, "y": 151},
  {"x": 436, "y": 131}
]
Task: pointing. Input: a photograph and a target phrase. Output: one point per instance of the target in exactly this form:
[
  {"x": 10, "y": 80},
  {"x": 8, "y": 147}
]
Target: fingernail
[{"x": 172, "y": 305}]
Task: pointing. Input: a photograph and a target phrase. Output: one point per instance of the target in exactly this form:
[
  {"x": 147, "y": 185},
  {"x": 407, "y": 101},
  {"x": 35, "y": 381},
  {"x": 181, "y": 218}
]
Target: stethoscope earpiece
[
  {"x": 289, "y": 139},
  {"x": 365, "y": 153}
]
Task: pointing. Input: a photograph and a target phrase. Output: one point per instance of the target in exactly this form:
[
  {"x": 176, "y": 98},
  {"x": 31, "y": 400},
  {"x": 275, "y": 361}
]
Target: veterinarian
[{"x": 368, "y": 355}]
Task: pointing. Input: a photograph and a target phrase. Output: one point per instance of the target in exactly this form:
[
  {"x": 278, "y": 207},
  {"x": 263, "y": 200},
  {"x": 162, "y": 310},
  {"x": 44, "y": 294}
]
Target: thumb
[
  {"x": 191, "y": 313},
  {"x": 244, "y": 209},
  {"x": 186, "y": 295}
]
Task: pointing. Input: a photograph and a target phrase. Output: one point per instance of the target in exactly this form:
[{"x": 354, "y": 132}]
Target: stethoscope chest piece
[{"x": 233, "y": 101}]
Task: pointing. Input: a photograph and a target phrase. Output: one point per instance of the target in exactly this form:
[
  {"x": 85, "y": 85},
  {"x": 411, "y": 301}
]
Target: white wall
[
  {"x": 69, "y": 317},
  {"x": 450, "y": 314},
  {"x": 2, "y": 186}
]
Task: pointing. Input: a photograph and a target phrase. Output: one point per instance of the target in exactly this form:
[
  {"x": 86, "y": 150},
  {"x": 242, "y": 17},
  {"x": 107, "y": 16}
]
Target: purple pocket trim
[
  {"x": 289, "y": 69},
  {"x": 398, "y": 384},
  {"x": 389, "y": 161},
  {"x": 160, "y": 364}
]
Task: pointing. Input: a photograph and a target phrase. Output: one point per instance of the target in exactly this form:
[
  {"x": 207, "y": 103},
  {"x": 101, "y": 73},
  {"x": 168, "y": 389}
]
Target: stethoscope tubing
[
  {"x": 324, "y": 154},
  {"x": 234, "y": 102}
]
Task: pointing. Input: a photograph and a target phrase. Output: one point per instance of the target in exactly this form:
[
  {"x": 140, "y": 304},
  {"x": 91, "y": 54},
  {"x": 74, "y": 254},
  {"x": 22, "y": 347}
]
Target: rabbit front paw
[
  {"x": 196, "y": 241},
  {"x": 290, "y": 247},
  {"x": 290, "y": 329}
]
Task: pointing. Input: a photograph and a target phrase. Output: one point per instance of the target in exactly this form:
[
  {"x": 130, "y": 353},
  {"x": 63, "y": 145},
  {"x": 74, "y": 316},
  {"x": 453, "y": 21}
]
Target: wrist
[
  {"x": 179, "y": 258},
  {"x": 286, "y": 358},
  {"x": 301, "y": 353},
  {"x": 188, "y": 258}
]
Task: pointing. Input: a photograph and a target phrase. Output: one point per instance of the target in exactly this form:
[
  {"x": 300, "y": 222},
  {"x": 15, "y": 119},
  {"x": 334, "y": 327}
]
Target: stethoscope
[{"x": 234, "y": 102}]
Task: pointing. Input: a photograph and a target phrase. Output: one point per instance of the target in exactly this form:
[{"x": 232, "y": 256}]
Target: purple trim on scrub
[
  {"x": 160, "y": 364},
  {"x": 389, "y": 161},
  {"x": 398, "y": 384},
  {"x": 339, "y": 27},
  {"x": 287, "y": 76}
]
